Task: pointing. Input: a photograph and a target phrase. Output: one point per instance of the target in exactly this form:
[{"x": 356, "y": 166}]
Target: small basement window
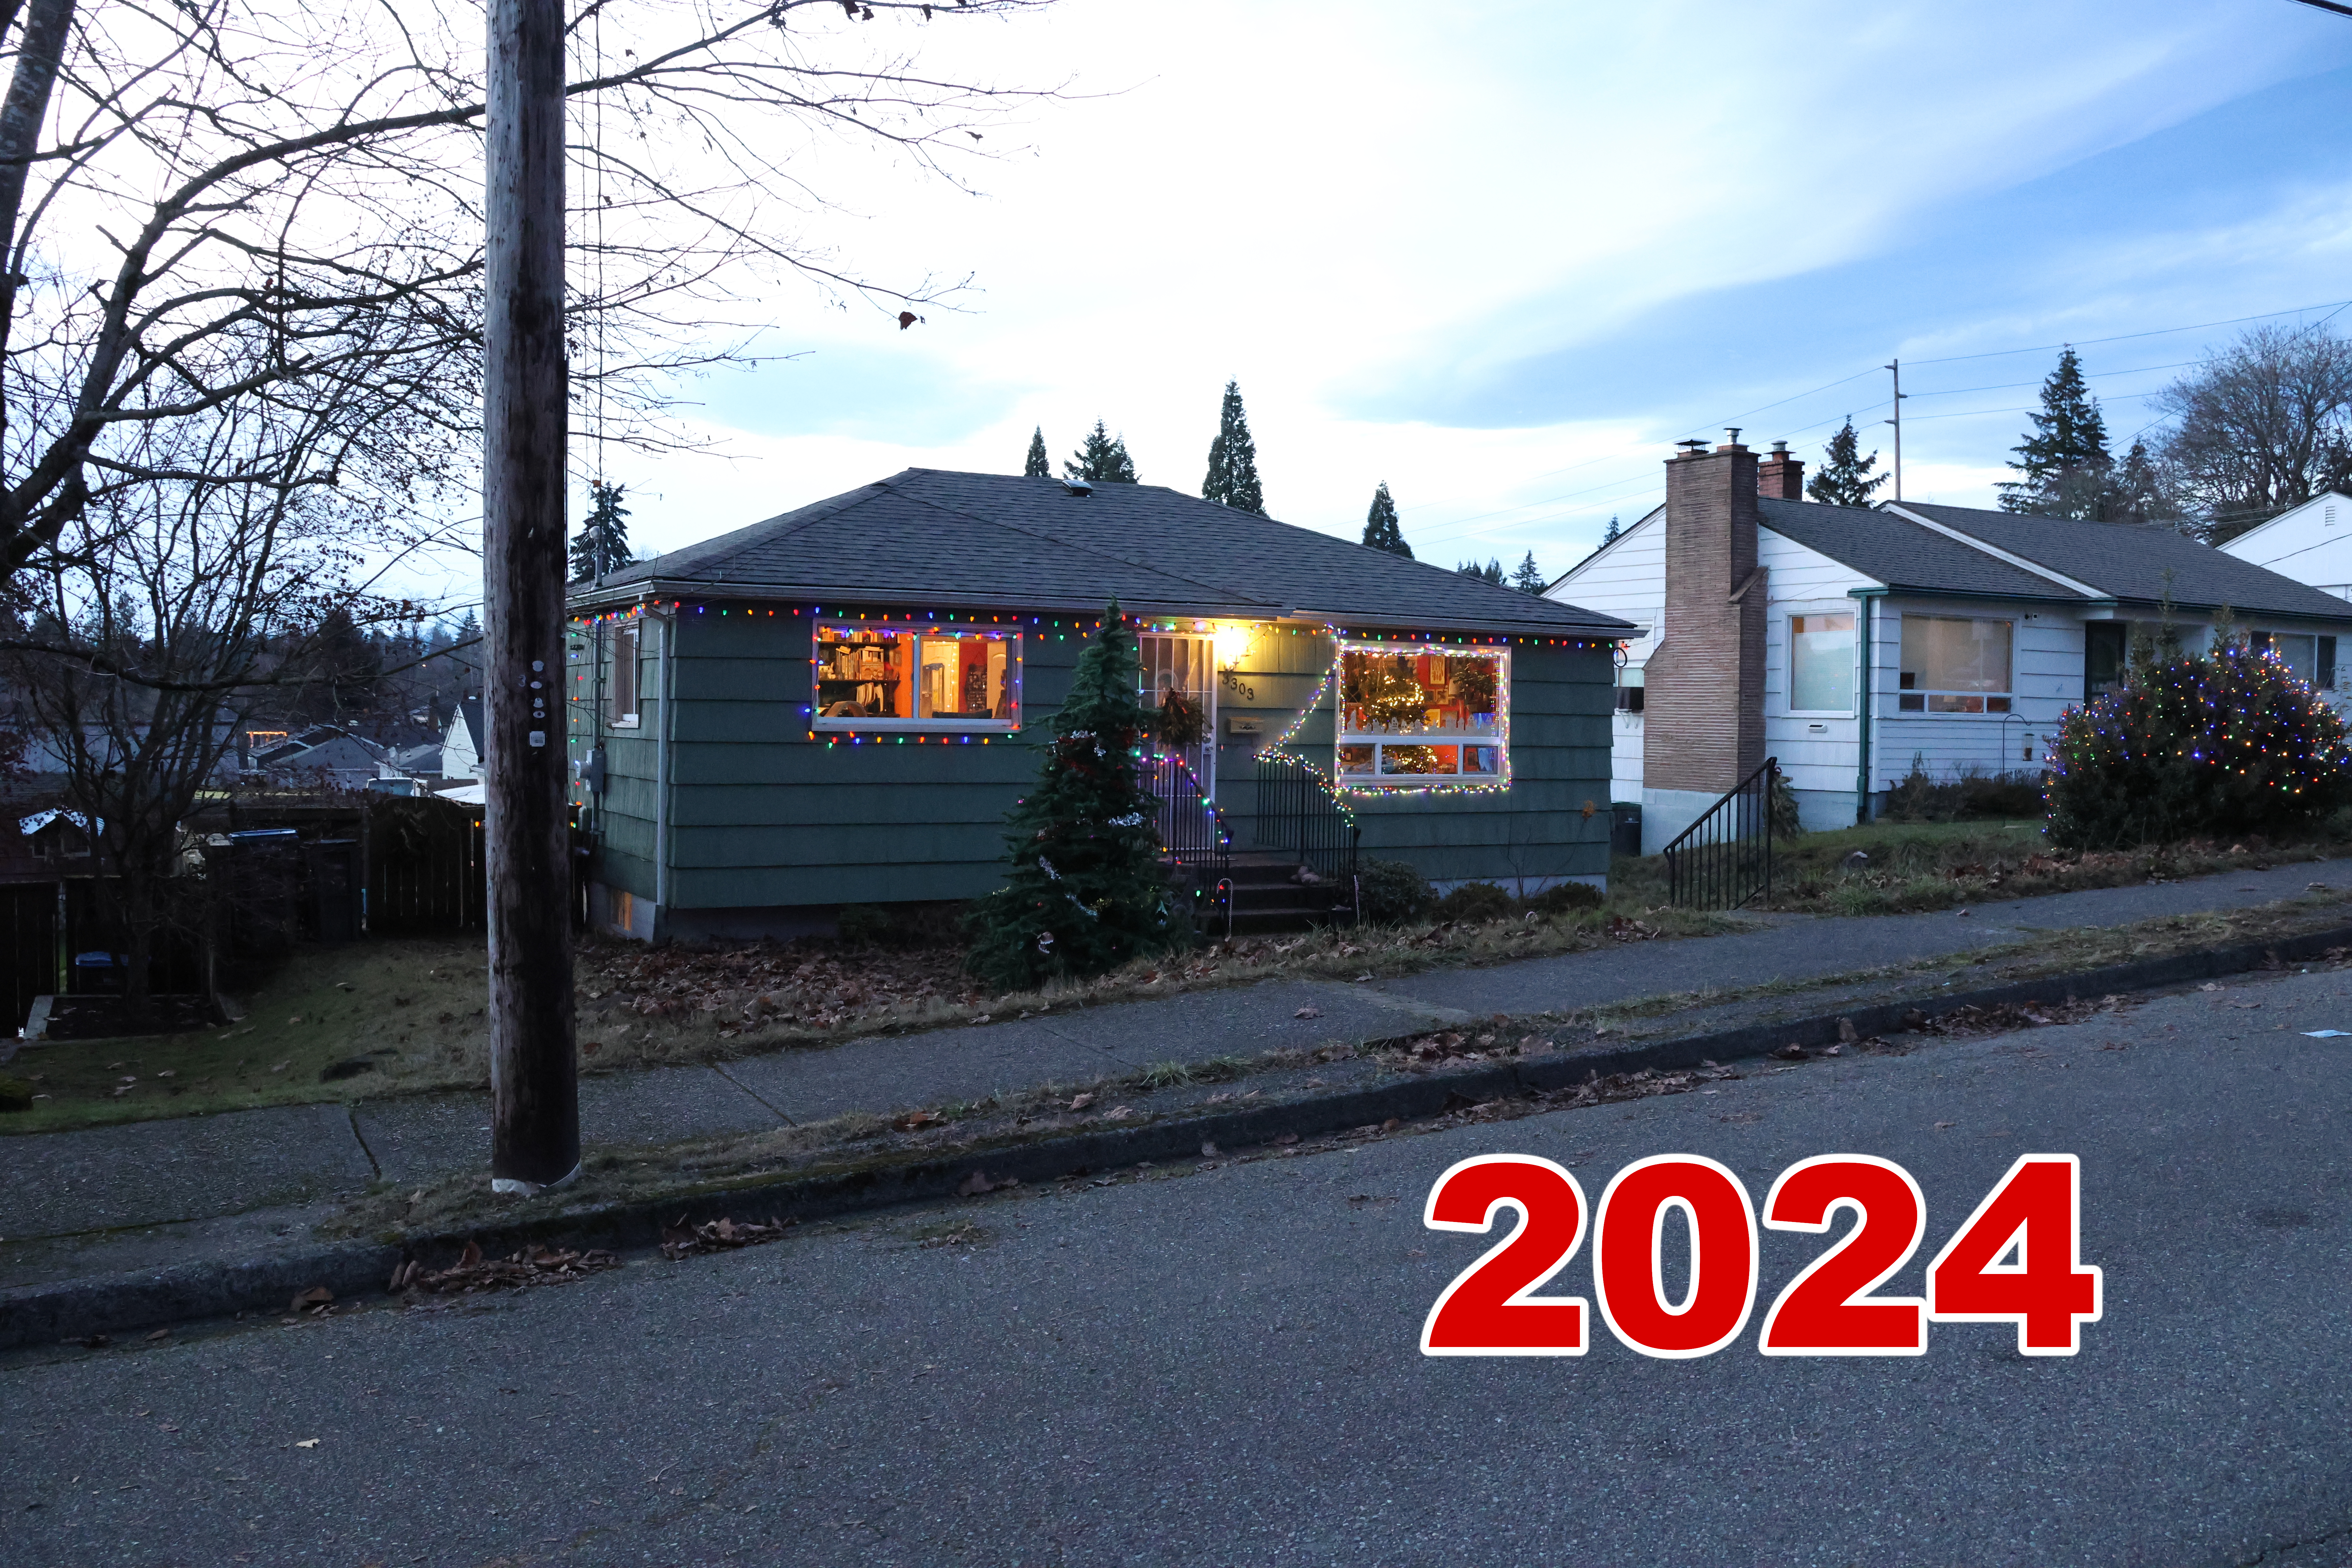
[
  {"x": 1413, "y": 716},
  {"x": 1954, "y": 665},
  {"x": 873, "y": 677}
]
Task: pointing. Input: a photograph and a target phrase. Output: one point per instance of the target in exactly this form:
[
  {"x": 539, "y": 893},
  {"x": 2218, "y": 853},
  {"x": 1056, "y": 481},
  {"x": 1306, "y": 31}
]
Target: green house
[{"x": 838, "y": 705}]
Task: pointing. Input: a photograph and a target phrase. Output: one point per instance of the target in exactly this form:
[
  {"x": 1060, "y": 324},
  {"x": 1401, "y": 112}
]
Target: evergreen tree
[
  {"x": 1038, "y": 467},
  {"x": 1380, "y": 530},
  {"x": 2139, "y": 493},
  {"x": 1528, "y": 578},
  {"x": 601, "y": 544},
  {"x": 1610, "y": 537},
  {"x": 1103, "y": 461},
  {"x": 1846, "y": 479},
  {"x": 1084, "y": 893},
  {"x": 1490, "y": 573},
  {"x": 1232, "y": 459},
  {"x": 2065, "y": 462}
]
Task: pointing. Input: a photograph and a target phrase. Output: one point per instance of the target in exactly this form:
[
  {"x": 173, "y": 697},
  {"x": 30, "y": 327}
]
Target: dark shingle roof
[
  {"x": 930, "y": 536},
  {"x": 2129, "y": 562},
  {"x": 1902, "y": 554}
]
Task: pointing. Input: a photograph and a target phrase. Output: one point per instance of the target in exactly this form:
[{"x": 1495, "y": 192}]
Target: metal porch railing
[
  {"x": 1725, "y": 858},
  {"x": 1193, "y": 833},
  {"x": 1299, "y": 813}
]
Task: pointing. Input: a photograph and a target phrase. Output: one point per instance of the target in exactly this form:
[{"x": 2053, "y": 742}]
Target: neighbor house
[
  {"x": 1965, "y": 633},
  {"x": 839, "y": 705},
  {"x": 2311, "y": 543}
]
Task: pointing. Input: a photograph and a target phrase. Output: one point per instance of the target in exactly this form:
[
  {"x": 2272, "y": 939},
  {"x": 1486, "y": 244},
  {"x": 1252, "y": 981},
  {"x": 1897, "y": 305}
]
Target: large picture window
[
  {"x": 2309, "y": 657},
  {"x": 1415, "y": 716},
  {"x": 1954, "y": 665},
  {"x": 1821, "y": 663},
  {"x": 908, "y": 678}
]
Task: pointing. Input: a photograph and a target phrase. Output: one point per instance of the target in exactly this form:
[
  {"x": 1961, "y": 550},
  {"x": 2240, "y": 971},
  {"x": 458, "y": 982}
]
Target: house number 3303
[{"x": 2017, "y": 1259}]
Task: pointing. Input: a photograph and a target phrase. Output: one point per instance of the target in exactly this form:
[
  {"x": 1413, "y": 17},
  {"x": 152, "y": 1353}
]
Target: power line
[{"x": 2330, "y": 305}]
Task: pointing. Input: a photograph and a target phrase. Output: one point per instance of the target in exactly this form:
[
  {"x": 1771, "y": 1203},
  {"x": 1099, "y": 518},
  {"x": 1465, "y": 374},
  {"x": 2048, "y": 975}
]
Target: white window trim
[
  {"x": 917, "y": 726},
  {"x": 1498, "y": 738},
  {"x": 1925, "y": 692},
  {"x": 1789, "y": 664},
  {"x": 632, "y": 633}
]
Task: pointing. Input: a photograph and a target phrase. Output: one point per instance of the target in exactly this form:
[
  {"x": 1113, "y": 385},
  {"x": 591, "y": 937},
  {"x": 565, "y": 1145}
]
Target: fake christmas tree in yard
[
  {"x": 1086, "y": 892},
  {"x": 2226, "y": 743}
]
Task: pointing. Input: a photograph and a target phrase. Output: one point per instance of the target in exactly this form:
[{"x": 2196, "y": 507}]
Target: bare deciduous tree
[
  {"x": 176, "y": 177},
  {"x": 2262, "y": 426}
]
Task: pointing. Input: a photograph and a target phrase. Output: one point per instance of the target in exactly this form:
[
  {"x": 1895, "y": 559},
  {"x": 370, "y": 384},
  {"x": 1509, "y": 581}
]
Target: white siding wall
[
  {"x": 1628, "y": 580},
  {"x": 2312, "y": 544},
  {"x": 1815, "y": 753}
]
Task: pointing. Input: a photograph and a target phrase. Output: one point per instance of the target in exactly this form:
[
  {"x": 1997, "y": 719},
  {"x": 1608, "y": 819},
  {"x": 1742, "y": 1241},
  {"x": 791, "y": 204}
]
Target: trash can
[{"x": 1625, "y": 827}]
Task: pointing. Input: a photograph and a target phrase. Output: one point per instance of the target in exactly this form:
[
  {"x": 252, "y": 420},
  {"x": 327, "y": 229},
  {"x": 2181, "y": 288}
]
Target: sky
[{"x": 1502, "y": 258}]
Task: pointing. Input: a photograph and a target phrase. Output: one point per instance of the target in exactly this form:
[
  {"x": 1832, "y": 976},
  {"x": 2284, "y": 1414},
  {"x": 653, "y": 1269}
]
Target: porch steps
[{"x": 1268, "y": 897}]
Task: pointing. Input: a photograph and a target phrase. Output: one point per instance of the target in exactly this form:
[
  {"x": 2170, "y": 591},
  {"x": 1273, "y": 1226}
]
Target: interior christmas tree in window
[
  {"x": 1419, "y": 717},
  {"x": 874, "y": 677}
]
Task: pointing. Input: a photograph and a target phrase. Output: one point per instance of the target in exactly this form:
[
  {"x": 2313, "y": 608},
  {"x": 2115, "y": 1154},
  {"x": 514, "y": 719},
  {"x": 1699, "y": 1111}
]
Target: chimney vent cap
[
  {"x": 1781, "y": 446},
  {"x": 1692, "y": 448},
  {"x": 1731, "y": 436}
]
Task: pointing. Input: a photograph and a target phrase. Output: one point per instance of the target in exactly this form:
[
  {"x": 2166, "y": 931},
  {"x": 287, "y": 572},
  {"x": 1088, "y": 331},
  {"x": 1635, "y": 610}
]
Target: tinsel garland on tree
[
  {"x": 1084, "y": 893},
  {"x": 2224, "y": 742}
]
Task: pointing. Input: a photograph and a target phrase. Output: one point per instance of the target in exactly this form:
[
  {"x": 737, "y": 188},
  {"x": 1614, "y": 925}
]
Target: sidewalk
[{"x": 146, "y": 1193}]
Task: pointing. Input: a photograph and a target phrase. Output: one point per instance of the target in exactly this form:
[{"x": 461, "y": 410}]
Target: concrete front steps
[{"x": 1268, "y": 897}]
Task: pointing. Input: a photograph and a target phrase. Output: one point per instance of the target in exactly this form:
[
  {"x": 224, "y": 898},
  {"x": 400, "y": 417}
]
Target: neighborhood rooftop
[
  {"x": 1902, "y": 554},
  {"x": 929, "y": 536},
  {"x": 2136, "y": 564}
]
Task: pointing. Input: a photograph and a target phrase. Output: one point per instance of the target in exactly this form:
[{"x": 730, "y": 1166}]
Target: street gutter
[{"x": 116, "y": 1303}]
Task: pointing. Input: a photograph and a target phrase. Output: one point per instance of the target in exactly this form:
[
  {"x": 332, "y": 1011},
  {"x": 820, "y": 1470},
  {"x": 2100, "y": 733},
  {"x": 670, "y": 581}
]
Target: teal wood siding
[
  {"x": 1561, "y": 701},
  {"x": 761, "y": 815},
  {"x": 625, "y": 824}
]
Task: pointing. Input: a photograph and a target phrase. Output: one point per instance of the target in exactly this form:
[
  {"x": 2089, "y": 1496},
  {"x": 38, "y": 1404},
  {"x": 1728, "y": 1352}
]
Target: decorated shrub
[{"x": 2226, "y": 743}]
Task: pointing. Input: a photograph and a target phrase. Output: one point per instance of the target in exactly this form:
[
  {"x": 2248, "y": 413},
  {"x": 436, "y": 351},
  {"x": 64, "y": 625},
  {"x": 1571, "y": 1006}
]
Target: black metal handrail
[
  {"x": 1299, "y": 813},
  {"x": 1725, "y": 858},
  {"x": 1193, "y": 833}
]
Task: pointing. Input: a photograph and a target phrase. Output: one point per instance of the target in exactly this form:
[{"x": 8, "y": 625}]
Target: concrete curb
[{"x": 117, "y": 1303}]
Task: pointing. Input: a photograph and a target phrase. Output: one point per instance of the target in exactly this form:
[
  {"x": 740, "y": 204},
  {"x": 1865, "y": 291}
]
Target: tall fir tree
[
  {"x": 1846, "y": 479},
  {"x": 1610, "y": 537},
  {"x": 2066, "y": 467},
  {"x": 1232, "y": 459},
  {"x": 1380, "y": 530},
  {"x": 1490, "y": 573},
  {"x": 1103, "y": 461},
  {"x": 1084, "y": 893},
  {"x": 601, "y": 544},
  {"x": 1528, "y": 578},
  {"x": 1038, "y": 467},
  {"x": 2139, "y": 492}
]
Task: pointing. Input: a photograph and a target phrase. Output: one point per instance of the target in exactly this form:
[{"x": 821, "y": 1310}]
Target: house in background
[
  {"x": 2311, "y": 543},
  {"x": 839, "y": 705},
  {"x": 460, "y": 760},
  {"x": 1852, "y": 645}
]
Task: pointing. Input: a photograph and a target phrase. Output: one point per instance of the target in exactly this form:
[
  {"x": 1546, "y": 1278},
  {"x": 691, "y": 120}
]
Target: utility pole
[
  {"x": 534, "y": 1083},
  {"x": 1897, "y": 422}
]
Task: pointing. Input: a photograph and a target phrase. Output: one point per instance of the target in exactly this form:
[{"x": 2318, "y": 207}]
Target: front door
[{"x": 1180, "y": 662}]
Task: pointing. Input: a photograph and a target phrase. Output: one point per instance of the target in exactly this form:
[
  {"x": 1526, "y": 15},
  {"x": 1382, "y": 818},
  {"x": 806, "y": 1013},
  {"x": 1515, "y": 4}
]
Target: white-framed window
[
  {"x": 1821, "y": 663},
  {"x": 1955, "y": 664},
  {"x": 2309, "y": 657},
  {"x": 1414, "y": 716},
  {"x": 621, "y": 696},
  {"x": 871, "y": 675}
]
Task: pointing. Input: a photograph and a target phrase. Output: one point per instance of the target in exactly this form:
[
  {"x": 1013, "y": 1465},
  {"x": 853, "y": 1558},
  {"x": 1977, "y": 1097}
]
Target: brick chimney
[
  {"x": 1780, "y": 477},
  {"x": 1702, "y": 725}
]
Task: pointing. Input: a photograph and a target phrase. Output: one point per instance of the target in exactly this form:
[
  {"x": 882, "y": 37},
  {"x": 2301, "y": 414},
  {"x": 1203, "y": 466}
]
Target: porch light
[{"x": 1233, "y": 644}]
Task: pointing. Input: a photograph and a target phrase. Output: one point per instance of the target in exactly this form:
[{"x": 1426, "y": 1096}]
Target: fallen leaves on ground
[
  {"x": 915, "y": 1120},
  {"x": 683, "y": 1240},
  {"x": 473, "y": 1273},
  {"x": 976, "y": 1184}
]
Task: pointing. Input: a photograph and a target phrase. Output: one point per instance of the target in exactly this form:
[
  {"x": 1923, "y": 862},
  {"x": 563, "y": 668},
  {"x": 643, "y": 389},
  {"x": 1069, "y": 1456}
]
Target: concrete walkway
[{"x": 118, "y": 1197}]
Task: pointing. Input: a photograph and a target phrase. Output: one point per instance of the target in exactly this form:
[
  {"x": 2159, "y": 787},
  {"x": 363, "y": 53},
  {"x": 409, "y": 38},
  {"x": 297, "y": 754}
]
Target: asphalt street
[{"x": 1219, "y": 1366}]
